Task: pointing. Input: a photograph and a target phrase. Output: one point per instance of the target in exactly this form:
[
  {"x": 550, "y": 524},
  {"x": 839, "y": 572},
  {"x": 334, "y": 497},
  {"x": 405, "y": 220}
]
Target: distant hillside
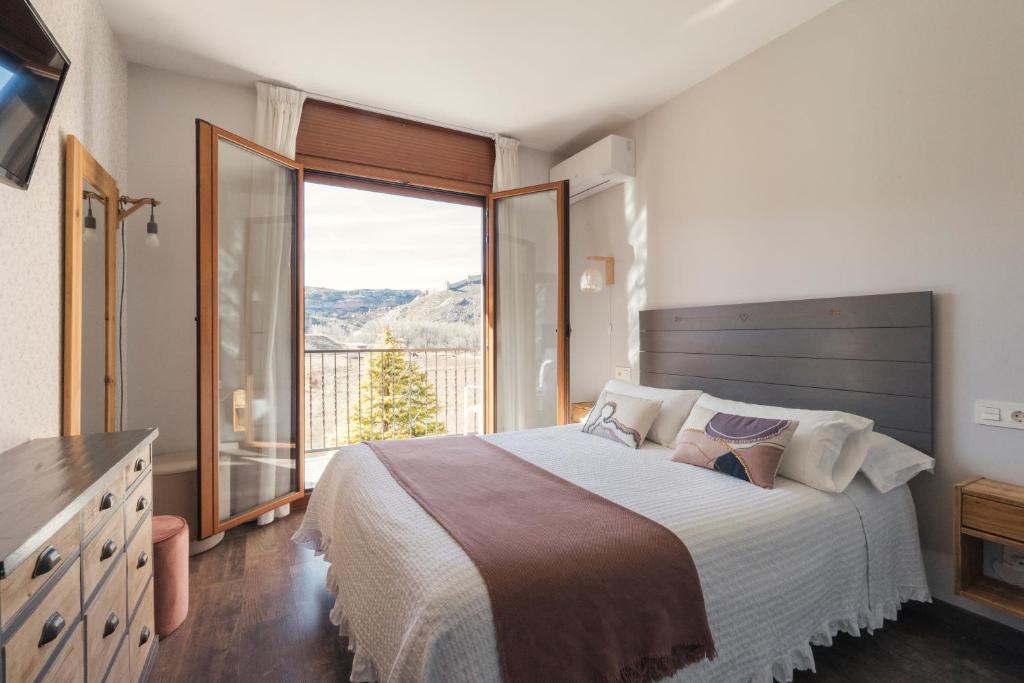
[
  {"x": 446, "y": 318},
  {"x": 321, "y": 301},
  {"x": 357, "y": 318},
  {"x": 336, "y": 315}
]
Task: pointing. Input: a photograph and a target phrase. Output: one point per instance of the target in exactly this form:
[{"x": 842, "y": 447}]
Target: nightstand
[
  {"x": 988, "y": 510},
  {"x": 581, "y": 410}
]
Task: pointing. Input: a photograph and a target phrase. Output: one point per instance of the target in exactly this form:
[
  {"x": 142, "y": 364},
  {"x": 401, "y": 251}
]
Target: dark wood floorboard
[{"x": 259, "y": 612}]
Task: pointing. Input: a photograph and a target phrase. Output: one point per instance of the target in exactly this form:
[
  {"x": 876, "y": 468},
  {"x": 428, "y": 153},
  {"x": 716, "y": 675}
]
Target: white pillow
[
  {"x": 891, "y": 463},
  {"x": 621, "y": 418},
  {"x": 827, "y": 449},
  {"x": 676, "y": 405}
]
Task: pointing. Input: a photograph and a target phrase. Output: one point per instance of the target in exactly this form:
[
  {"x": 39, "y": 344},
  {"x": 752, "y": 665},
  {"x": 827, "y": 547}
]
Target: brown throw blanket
[{"x": 581, "y": 589}]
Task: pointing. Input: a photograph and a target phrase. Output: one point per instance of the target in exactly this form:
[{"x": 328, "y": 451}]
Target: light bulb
[
  {"x": 591, "y": 280},
  {"x": 152, "y": 240},
  {"x": 89, "y": 235}
]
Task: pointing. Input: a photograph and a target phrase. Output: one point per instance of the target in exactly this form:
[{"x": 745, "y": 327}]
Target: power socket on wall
[
  {"x": 623, "y": 372},
  {"x": 999, "y": 414}
]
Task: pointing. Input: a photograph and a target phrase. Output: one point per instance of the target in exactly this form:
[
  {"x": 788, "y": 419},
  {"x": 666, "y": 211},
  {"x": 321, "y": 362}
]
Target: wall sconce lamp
[
  {"x": 130, "y": 205},
  {"x": 592, "y": 279}
]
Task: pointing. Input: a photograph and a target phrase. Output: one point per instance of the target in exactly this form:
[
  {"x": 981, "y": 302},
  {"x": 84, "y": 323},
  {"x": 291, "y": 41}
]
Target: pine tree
[{"x": 397, "y": 400}]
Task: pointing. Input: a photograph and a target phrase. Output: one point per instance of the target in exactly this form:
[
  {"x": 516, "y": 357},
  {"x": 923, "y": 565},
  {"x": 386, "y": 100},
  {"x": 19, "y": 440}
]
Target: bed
[{"x": 781, "y": 569}]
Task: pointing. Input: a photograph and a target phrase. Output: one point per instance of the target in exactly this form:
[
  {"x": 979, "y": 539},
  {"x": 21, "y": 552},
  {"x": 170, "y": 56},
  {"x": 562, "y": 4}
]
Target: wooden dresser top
[{"x": 45, "y": 482}]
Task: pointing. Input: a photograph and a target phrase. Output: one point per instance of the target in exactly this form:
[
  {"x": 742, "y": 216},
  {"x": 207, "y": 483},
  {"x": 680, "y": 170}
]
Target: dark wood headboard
[{"x": 868, "y": 355}]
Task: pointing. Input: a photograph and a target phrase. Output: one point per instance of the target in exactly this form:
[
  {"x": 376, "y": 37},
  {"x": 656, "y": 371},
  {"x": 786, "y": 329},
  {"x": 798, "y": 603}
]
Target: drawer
[
  {"x": 105, "y": 624},
  {"x": 36, "y": 571},
  {"x": 69, "y": 667},
  {"x": 98, "y": 508},
  {"x": 140, "y": 562},
  {"x": 138, "y": 503},
  {"x": 120, "y": 670},
  {"x": 101, "y": 553},
  {"x": 142, "y": 634},
  {"x": 994, "y": 517},
  {"x": 35, "y": 641},
  {"x": 134, "y": 468}
]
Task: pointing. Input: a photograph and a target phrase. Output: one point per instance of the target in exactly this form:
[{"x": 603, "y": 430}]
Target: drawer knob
[
  {"x": 47, "y": 560},
  {"x": 110, "y": 625},
  {"x": 108, "y": 550},
  {"x": 141, "y": 505},
  {"x": 144, "y": 636},
  {"x": 143, "y": 559},
  {"x": 52, "y": 628},
  {"x": 107, "y": 501},
  {"x": 139, "y": 464}
]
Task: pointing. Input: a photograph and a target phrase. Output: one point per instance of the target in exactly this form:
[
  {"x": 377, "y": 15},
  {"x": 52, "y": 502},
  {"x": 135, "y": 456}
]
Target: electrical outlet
[
  {"x": 999, "y": 414},
  {"x": 623, "y": 372}
]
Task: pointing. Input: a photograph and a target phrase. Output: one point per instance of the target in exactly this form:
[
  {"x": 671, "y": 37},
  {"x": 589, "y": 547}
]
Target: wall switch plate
[
  {"x": 999, "y": 414},
  {"x": 625, "y": 373}
]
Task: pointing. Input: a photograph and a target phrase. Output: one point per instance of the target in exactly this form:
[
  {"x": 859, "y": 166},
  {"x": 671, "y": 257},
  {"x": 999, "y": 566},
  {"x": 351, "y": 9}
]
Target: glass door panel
[
  {"x": 250, "y": 332},
  {"x": 528, "y": 306}
]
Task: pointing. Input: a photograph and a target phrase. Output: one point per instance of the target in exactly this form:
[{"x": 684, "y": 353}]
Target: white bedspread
[{"x": 781, "y": 569}]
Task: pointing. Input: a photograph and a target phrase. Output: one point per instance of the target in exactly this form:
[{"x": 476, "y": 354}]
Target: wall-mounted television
[{"x": 32, "y": 72}]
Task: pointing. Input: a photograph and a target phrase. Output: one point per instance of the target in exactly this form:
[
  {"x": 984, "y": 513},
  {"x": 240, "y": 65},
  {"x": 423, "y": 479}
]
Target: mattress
[{"x": 781, "y": 569}]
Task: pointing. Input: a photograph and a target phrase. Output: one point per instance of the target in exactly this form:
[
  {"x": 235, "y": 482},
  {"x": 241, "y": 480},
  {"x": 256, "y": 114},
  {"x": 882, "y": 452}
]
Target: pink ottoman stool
[{"x": 170, "y": 572}]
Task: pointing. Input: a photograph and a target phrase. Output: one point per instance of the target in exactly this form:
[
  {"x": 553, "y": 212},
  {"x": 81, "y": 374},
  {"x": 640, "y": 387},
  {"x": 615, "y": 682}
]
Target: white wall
[
  {"x": 876, "y": 148},
  {"x": 93, "y": 107},
  {"x": 162, "y": 109}
]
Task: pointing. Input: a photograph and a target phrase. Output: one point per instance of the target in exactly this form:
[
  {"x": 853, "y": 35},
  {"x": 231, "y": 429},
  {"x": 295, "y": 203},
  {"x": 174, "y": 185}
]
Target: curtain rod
[{"x": 400, "y": 115}]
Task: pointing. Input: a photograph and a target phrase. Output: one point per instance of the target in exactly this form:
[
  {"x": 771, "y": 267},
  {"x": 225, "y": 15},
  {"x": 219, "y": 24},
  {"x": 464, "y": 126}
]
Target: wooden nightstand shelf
[
  {"x": 581, "y": 410},
  {"x": 988, "y": 510}
]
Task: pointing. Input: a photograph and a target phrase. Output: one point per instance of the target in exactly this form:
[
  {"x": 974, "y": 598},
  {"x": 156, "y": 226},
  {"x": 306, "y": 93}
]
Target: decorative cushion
[
  {"x": 621, "y": 418},
  {"x": 748, "y": 448},
  {"x": 675, "y": 406},
  {"x": 828, "y": 447}
]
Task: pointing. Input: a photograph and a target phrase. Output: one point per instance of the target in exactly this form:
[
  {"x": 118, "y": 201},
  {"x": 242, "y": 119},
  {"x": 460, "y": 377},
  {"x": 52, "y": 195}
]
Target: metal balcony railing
[{"x": 352, "y": 395}]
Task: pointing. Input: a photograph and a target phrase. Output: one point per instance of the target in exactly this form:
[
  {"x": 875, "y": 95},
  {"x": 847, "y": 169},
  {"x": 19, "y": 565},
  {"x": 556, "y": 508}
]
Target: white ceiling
[{"x": 554, "y": 74}]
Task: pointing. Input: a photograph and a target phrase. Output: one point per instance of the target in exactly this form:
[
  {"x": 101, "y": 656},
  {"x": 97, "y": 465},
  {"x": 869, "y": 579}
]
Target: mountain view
[{"x": 357, "y": 318}]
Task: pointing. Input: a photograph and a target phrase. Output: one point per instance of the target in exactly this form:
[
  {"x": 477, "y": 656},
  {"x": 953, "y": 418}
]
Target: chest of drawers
[{"x": 76, "y": 588}]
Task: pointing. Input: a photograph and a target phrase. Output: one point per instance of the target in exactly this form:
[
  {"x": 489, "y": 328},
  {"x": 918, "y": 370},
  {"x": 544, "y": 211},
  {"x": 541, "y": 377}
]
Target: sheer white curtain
[
  {"x": 506, "y": 163},
  {"x": 278, "y": 112},
  {"x": 516, "y": 370}
]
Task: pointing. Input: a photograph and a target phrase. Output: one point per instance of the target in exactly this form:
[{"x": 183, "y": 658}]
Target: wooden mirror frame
[{"x": 80, "y": 168}]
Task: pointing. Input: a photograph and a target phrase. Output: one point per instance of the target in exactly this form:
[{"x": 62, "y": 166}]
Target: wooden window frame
[
  {"x": 563, "y": 407},
  {"x": 207, "y": 334}
]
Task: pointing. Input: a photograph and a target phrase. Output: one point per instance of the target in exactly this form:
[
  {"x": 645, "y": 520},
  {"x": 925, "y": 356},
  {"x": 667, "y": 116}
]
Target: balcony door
[
  {"x": 527, "y": 307},
  {"x": 250, "y": 339}
]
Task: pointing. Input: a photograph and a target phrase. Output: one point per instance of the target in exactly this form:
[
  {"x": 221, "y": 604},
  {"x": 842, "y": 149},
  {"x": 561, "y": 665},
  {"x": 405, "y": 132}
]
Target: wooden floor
[{"x": 259, "y": 613}]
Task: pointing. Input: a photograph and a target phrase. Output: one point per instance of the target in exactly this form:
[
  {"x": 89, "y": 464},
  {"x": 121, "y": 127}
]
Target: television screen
[{"x": 32, "y": 71}]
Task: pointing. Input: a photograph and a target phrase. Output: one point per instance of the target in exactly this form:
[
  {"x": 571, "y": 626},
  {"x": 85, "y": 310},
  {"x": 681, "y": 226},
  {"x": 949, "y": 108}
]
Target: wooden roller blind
[{"x": 338, "y": 139}]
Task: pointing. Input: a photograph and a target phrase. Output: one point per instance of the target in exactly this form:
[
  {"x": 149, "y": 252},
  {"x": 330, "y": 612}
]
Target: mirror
[{"x": 90, "y": 294}]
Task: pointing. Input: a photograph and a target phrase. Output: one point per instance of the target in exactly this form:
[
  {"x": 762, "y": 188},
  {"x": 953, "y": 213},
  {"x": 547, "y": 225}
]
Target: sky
[{"x": 358, "y": 239}]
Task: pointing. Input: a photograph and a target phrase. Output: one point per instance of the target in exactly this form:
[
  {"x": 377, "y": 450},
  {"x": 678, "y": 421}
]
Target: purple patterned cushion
[{"x": 748, "y": 448}]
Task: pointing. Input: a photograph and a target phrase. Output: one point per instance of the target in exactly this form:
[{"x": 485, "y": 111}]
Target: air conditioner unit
[{"x": 604, "y": 164}]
